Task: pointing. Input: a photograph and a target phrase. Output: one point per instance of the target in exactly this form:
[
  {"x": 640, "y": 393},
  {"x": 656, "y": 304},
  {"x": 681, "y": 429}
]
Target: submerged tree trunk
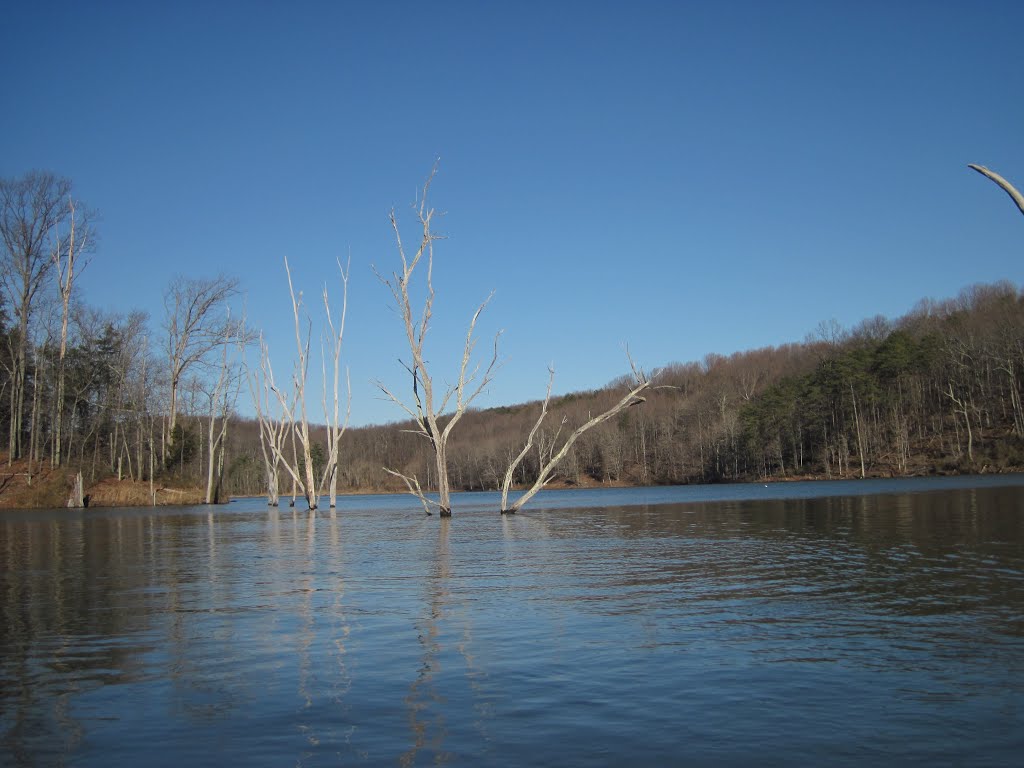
[
  {"x": 424, "y": 410},
  {"x": 544, "y": 475}
]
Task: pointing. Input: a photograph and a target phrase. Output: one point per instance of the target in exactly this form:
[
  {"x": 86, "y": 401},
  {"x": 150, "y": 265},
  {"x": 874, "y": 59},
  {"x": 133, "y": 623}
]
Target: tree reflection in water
[
  {"x": 568, "y": 636},
  {"x": 424, "y": 703}
]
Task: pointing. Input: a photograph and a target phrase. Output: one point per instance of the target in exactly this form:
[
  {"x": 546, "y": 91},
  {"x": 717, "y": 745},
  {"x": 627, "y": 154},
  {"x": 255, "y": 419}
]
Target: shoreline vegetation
[
  {"x": 939, "y": 391},
  {"x": 103, "y": 409},
  {"x": 50, "y": 488}
]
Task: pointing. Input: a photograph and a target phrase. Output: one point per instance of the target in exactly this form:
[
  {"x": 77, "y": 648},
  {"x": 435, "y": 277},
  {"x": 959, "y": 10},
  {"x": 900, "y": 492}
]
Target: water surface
[{"x": 872, "y": 622}]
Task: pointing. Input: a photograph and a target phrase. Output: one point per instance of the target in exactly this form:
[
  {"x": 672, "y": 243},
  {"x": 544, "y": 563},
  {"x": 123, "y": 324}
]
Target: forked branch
[
  {"x": 413, "y": 484},
  {"x": 425, "y": 409},
  {"x": 547, "y": 468}
]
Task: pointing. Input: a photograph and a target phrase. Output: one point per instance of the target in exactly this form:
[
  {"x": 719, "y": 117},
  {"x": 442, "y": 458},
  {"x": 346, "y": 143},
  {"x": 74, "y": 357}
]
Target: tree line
[
  {"x": 105, "y": 393},
  {"x": 937, "y": 390}
]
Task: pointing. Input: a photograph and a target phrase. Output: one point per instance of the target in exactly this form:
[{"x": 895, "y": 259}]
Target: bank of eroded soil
[{"x": 25, "y": 485}]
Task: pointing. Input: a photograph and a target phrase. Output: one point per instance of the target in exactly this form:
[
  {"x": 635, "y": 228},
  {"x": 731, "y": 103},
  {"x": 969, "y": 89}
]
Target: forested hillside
[
  {"x": 158, "y": 400},
  {"x": 936, "y": 391}
]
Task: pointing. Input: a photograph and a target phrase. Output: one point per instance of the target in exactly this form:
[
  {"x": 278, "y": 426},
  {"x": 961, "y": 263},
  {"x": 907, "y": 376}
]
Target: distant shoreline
[{"x": 50, "y": 488}]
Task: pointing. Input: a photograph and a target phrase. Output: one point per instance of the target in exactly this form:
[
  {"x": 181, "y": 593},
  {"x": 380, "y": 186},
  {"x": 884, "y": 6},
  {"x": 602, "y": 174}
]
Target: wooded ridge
[
  {"x": 87, "y": 391},
  {"x": 937, "y": 391}
]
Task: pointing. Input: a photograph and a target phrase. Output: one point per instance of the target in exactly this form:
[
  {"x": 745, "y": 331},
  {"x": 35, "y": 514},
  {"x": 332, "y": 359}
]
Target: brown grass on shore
[{"x": 25, "y": 485}]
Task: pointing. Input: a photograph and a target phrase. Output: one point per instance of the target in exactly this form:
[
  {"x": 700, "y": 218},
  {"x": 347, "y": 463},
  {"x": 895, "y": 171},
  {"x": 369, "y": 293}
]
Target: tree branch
[
  {"x": 1006, "y": 186},
  {"x": 631, "y": 398}
]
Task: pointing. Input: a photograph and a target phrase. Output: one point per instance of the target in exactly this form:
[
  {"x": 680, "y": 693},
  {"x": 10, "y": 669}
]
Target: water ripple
[{"x": 635, "y": 628}]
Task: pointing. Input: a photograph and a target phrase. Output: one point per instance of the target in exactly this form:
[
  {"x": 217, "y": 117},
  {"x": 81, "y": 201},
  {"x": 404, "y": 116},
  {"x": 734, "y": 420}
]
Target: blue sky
[{"x": 683, "y": 177}]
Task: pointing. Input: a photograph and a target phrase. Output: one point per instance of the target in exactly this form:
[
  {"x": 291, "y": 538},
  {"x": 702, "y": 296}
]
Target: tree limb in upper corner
[{"x": 1007, "y": 187}]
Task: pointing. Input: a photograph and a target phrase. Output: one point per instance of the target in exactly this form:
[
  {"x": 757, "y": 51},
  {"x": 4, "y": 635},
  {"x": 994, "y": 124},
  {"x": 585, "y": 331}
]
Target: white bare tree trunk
[
  {"x": 860, "y": 437},
  {"x": 425, "y": 410},
  {"x": 273, "y": 430},
  {"x": 1006, "y": 186},
  {"x": 335, "y": 427},
  {"x": 962, "y": 407},
  {"x": 306, "y": 481},
  {"x": 65, "y": 264},
  {"x": 77, "y": 498},
  {"x": 294, "y": 421},
  {"x": 547, "y": 468},
  {"x": 222, "y": 401}
]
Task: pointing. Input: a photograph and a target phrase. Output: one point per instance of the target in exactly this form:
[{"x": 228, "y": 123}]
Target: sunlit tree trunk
[
  {"x": 64, "y": 258},
  {"x": 221, "y": 402},
  {"x": 335, "y": 427},
  {"x": 860, "y": 437},
  {"x": 424, "y": 410},
  {"x": 961, "y": 407},
  {"x": 631, "y": 398},
  {"x": 293, "y": 406},
  {"x": 273, "y": 430}
]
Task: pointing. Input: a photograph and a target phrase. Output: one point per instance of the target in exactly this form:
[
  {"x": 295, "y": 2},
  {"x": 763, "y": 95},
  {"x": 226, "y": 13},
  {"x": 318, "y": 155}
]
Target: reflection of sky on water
[{"x": 884, "y": 624}]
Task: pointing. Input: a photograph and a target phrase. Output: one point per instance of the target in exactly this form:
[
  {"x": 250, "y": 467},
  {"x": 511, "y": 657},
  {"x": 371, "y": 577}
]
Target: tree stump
[{"x": 77, "y": 498}]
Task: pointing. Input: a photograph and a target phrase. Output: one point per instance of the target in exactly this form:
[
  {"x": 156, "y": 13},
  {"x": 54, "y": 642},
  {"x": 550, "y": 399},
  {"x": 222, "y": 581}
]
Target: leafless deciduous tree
[
  {"x": 554, "y": 458},
  {"x": 222, "y": 401},
  {"x": 32, "y": 210},
  {"x": 335, "y": 426},
  {"x": 300, "y": 426},
  {"x": 197, "y": 323},
  {"x": 273, "y": 428},
  {"x": 428, "y": 408},
  {"x": 67, "y": 255},
  {"x": 293, "y": 404},
  {"x": 1006, "y": 186}
]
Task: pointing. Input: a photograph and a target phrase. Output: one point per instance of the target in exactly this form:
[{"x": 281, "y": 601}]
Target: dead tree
[
  {"x": 1006, "y": 186},
  {"x": 427, "y": 409},
  {"x": 222, "y": 402},
  {"x": 293, "y": 404},
  {"x": 65, "y": 256},
  {"x": 300, "y": 425},
  {"x": 962, "y": 406},
  {"x": 548, "y": 466},
  {"x": 273, "y": 430},
  {"x": 335, "y": 427}
]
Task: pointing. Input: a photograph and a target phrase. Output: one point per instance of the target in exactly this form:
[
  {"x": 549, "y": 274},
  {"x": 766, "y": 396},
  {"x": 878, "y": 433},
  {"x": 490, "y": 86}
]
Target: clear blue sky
[{"x": 682, "y": 177}]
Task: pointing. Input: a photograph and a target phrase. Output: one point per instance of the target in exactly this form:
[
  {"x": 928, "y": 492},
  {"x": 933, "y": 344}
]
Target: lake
[{"x": 829, "y": 623}]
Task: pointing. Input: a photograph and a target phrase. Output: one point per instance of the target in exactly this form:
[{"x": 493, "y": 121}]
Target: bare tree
[
  {"x": 222, "y": 402},
  {"x": 335, "y": 427},
  {"x": 32, "y": 209},
  {"x": 1006, "y": 186},
  {"x": 273, "y": 429},
  {"x": 963, "y": 406},
  {"x": 553, "y": 459},
  {"x": 197, "y": 323},
  {"x": 66, "y": 256},
  {"x": 425, "y": 411},
  {"x": 300, "y": 466},
  {"x": 302, "y": 475}
]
